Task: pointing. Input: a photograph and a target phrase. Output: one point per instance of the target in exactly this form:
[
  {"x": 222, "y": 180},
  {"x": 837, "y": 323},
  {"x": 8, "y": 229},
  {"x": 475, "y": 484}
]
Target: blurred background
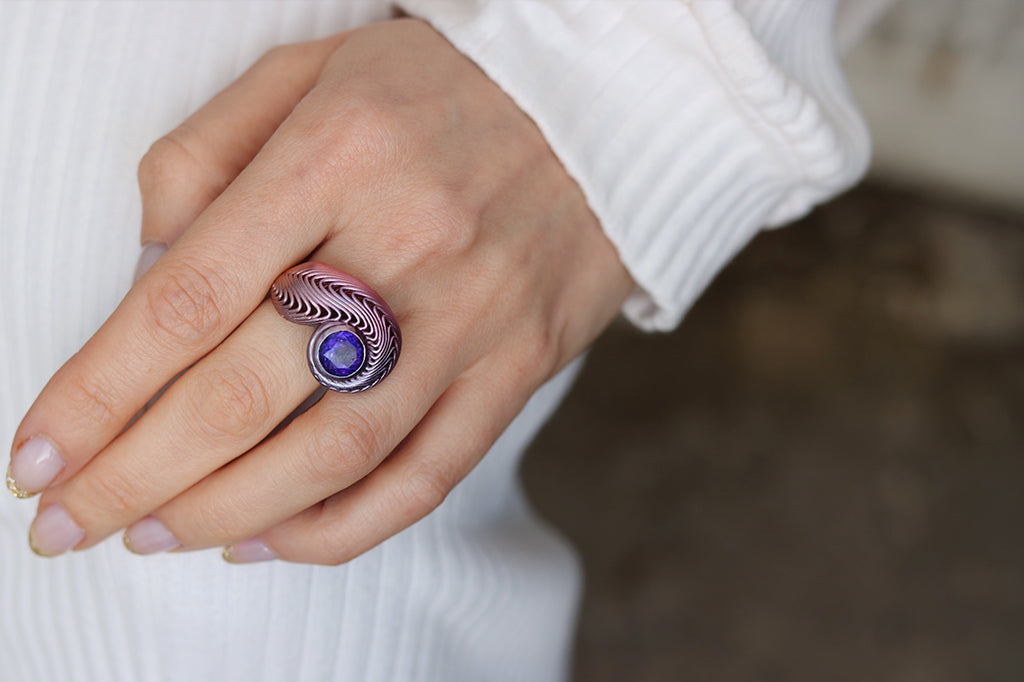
[{"x": 820, "y": 474}]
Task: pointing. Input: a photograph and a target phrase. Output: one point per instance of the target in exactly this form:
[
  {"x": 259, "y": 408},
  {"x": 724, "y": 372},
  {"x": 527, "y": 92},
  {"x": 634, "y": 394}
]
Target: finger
[
  {"x": 409, "y": 484},
  {"x": 184, "y": 171},
  {"x": 178, "y": 312},
  {"x": 271, "y": 217},
  {"x": 330, "y": 447},
  {"x": 219, "y": 409}
]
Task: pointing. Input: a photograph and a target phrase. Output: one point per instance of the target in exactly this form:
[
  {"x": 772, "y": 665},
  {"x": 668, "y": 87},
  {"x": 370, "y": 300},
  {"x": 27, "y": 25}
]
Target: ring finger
[{"x": 326, "y": 449}]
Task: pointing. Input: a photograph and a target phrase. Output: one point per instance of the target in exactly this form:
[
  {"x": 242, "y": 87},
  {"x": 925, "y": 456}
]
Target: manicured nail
[
  {"x": 149, "y": 535},
  {"x": 151, "y": 251},
  {"x": 248, "y": 552},
  {"x": 33, "y": 467},
  {"x": 54, "y": 532}
]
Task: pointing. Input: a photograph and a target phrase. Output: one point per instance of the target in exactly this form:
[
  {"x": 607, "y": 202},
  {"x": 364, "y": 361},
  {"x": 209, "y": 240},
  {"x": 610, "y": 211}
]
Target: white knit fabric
[{"x": 689, "y": 126}]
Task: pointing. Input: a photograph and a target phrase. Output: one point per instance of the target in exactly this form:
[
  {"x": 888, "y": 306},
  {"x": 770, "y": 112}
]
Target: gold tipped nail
[
  {"x": 12, "y": 485},
  {"x": 32, "y": 544},
  {"x": 227, "y": 556},
  {"x": 128, "y": 543}
]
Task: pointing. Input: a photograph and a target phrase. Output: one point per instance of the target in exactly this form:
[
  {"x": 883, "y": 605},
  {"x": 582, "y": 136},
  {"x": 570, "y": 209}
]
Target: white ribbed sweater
[{"x": 689, "y": 126}]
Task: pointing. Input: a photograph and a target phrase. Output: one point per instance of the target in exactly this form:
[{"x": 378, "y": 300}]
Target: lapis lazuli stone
[{"x": 341, "y": 353}]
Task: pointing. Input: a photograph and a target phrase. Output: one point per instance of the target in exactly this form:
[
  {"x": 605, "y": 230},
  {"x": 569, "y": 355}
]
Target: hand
[{"x": 385, "y": 153}]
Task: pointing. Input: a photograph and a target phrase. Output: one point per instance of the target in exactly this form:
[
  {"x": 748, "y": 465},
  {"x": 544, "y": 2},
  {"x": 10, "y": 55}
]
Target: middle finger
[{"x": 217, "y": 410}]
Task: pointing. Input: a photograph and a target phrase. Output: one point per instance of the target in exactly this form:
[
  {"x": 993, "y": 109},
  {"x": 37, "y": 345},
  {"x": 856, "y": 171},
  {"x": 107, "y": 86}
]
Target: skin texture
[{"x": 385, "y": 153}]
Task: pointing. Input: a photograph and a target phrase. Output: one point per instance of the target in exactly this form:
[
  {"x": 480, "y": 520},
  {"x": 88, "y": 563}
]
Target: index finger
[{"x": 196, "y": 294}]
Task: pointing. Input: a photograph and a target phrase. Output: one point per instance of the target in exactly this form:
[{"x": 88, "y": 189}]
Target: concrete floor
[{"x": 820, "y": 474}]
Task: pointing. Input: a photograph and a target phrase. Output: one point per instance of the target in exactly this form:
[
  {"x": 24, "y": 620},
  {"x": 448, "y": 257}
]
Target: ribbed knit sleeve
[{"x": 689, "y": 126}]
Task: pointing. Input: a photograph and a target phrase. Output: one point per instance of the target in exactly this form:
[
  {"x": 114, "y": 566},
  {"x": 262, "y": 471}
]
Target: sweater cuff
[{"x": 688, "y": 126}]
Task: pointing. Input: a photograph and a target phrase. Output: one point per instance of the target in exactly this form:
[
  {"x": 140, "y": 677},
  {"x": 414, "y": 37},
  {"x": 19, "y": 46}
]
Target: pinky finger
[{"x": 413, "y": 481}]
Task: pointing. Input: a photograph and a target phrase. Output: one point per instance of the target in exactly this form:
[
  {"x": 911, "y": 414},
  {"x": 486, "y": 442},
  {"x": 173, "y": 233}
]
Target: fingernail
[
  {"x": 151, "y": 251},
  {"x": 149, "y": 535},
  {"x": 54, "y": 532},
  {"x": 33, "y": 467},
  {"x": 248, "y": 552}
]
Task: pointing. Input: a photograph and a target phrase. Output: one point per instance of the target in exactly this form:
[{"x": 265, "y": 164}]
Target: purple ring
[{"x": 357, "y": 340}]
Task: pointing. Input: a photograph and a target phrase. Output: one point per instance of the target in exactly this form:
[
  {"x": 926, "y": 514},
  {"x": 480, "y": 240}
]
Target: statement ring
[{"x": 357, "y": 340}]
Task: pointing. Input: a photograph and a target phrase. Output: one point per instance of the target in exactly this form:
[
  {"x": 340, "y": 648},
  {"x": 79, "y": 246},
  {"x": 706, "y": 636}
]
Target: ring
[{"x": 357, "y": 340}]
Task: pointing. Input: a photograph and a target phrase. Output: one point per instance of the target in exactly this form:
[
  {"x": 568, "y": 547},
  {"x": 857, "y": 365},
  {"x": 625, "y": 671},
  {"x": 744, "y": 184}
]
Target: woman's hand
[{"x": 385, "y": 153}]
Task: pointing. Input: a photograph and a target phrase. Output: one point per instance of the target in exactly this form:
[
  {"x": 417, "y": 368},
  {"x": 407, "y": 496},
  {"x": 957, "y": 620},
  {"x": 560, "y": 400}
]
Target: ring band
[{"x": 357, "y": 341}]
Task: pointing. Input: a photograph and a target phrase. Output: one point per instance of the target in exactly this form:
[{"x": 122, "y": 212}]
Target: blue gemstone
[{"x": 341, "y": 353}]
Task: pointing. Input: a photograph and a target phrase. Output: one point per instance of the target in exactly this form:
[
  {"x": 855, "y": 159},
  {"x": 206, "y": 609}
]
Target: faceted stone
[{"x": 341, "y": 353}]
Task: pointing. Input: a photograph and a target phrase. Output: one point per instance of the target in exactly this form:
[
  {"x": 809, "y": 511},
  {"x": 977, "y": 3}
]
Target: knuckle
[
  {"x": 376, "y": 115},
  {"x": 372, "y": 139},
  {"x": 287, "y": 58},
  {"x": 341, "y": 453},
  {"x": 93, "y": 401},
  {"x": 334, "y": 546},
  {"x": 549, "y": 349},
  {"x": 230, "y": 400},
  {"x": 427, "y": 487},
  {"x": 168, "y": 160},
  {"x": 276, "y": 54},
  {"x": 439, "y": 223},
  {"x": 334, "y": 553},
  {"x": 115, "y": 494},
  {"x": 333, "y": 549},
  {"x": 532, "y": 360},
  {"x": 533, "y": 371},
  {"x": 184, "y": 305},
  {"x": 323, "y": 460},
  {"x": 212, "y": 523}
]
